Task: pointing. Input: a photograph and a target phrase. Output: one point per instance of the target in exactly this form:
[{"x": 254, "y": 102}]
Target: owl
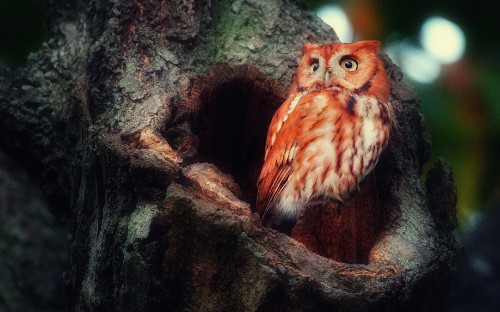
[{"x": 329, "y": 133}]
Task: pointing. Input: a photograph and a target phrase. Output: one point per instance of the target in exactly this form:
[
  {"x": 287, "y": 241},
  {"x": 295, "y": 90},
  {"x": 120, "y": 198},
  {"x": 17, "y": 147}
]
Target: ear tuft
[{"x": 373, "y": 45}]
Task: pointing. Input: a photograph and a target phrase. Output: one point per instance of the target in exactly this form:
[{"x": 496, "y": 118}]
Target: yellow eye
[
  {"x": 314, "y": 66},
  {"x": 349, "y": 64}
]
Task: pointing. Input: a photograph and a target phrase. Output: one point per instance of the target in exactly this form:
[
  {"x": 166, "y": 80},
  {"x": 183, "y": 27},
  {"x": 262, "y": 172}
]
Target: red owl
[{"x": 328, "y": 135}]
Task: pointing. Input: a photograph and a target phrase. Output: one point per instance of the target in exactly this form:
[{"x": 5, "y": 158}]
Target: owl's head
[{"x": 354, "y": 67}]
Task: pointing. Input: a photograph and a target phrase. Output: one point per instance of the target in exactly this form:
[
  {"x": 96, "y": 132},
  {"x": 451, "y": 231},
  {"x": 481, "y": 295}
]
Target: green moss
[
  {"x": 235, "y": 31},
  {"x": 229, "y": 27}
]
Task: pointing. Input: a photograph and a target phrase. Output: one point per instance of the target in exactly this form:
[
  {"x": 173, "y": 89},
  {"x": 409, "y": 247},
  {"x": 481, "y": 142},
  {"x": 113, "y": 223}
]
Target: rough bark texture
[
  {"x": 33, "y": 246},
  {"x": 146, "y": 121}
]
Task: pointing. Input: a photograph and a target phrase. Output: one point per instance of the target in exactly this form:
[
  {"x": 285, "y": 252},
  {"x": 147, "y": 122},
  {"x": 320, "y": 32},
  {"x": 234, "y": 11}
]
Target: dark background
[{"x": 461, "y": 108}]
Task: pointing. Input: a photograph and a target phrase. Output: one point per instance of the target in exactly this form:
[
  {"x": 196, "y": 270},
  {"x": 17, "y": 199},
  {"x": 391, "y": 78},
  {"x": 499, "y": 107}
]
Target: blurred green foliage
[
  {"x": 403, "y": 19},
  {"x": 21, "y": 30}
]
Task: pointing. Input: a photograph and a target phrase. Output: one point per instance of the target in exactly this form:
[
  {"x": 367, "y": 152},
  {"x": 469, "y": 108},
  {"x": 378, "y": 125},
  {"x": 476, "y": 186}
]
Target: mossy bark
[{"x": 146, "y": 123}]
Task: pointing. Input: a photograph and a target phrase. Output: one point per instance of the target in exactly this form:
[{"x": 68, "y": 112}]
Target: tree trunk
[{"x": 146, "y": 122}]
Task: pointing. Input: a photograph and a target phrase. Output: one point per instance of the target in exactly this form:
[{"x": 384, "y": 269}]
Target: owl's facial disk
[{"x": 347, "y": 65}]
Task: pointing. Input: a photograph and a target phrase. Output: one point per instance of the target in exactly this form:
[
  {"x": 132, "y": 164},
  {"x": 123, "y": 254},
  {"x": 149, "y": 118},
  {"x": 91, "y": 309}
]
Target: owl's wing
[{"x": 281, "y": 147}]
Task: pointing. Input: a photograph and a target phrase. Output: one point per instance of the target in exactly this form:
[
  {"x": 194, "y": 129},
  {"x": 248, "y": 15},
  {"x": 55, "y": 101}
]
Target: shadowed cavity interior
[{"x": 236, "y": 109}]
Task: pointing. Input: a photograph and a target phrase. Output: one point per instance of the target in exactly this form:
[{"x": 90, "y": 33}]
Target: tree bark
[{"x": 146, "y": 121}]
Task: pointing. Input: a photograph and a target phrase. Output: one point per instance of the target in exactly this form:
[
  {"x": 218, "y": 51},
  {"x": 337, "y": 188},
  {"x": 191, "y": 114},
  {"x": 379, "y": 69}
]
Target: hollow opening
[
  {"x": 233, "y": 110},
  {"x": 235, "y": 113}
]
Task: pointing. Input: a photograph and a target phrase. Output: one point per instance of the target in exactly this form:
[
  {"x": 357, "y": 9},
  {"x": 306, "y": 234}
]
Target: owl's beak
[{"x": 329, "y": 76}]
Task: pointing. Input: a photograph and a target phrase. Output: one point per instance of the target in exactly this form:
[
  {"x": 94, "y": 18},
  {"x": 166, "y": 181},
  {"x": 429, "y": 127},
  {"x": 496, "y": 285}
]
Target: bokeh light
[
  {"x": 443, "y": 39},
  {"x": 418, "y": 64},
  {"x": 336, "y": 17}
]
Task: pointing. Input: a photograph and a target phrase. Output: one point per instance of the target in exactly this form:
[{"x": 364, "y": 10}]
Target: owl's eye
[
  {"x": 314, "y": 66},
  {"x": 349, "y": 64}
]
